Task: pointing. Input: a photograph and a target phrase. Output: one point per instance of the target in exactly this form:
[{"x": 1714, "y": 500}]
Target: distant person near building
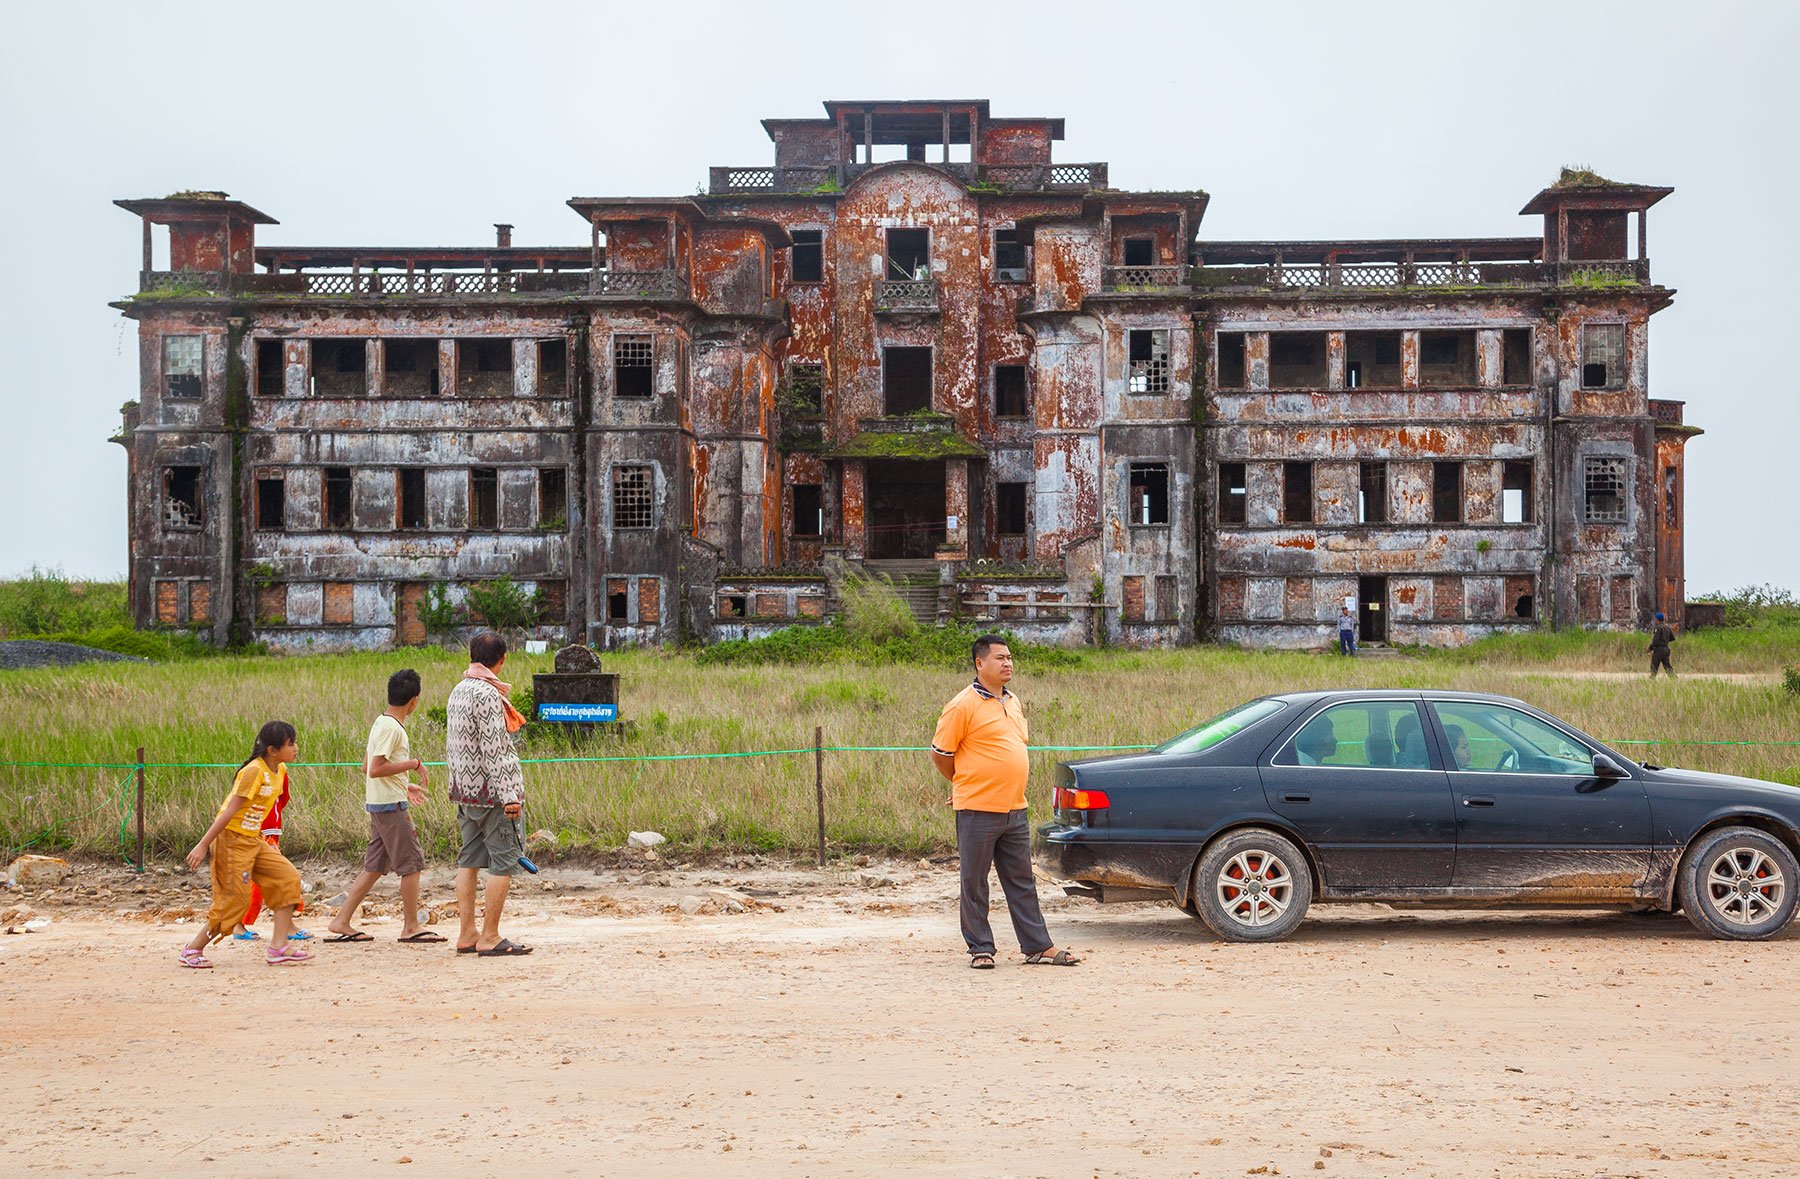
[
  {"x": 1346, "y": 632},
  {"x": 1660, "y": 637},
  {"x": 980, "y": 747}
]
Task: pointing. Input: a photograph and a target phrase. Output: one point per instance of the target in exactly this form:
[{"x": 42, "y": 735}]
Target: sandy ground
[{"x": 831, "y": 1028}]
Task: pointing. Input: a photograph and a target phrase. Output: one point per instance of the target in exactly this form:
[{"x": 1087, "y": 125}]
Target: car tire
[
  {"x": 1251, "y": 886},
  {"x": 1739, "y": 884}
]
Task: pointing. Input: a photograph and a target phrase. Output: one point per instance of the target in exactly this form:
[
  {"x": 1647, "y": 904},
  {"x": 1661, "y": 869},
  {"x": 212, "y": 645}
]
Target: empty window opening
[
  {"x": 905, "y": 380},
  {"x": 808, "y": 259},
  {"x": 553, "y": 497},
  {"x": 1149, "y": 485},
  {"x": 634, "y": 361},
  {"x": 1010, "y": 399},
  {"x": 1009, "y": 509},
  {"x": 484, "y": 497},
  {"x": 271, "y": 502},
  {"x": 1604, "y": 484},
  {"x": 1372, "y": 494},
  {"x": 340, "y": 368},
  {"x": 618, "y": 600},
  {"x": 182, "y": 365},
  {"x": 1603, "y": 356},
  {"x": 733, "y": 605},
  {"x": 1233, "y": 372},
  {"x": 632, "y": 497},
  {"x": 1140, "y": 251},
  {"x": 271, "y": 368},
  {"x": 1009, "y": 257},
  {"x": 484, "y": 368},
  {"x": 809, "y": 509},
  {"x": 1149, "y": 355},
  {"x": 1447, "y": 359},
  {"x": 1516, "y": 492},
  {"x": 553, "y": 368},
  {"x": 908, "y": 254},
  {"x": 1371, "y": 360},
  {"x": 411, "y": 485},
  {"x": 1297, "y": 360},
  {"x": 1234, "y": 494},
  {"x": 1515, "y": 356},
  {"x": 1671, "y": 497},
  {"x": 182, "y": 510},
  {"x": 336, "y": 507},
  {"x": 1297, "y": 493},
  {"x": 806, "y": 390},
  {"x": 411, "y": 368},
  {"x": 1446, "y": 493}
]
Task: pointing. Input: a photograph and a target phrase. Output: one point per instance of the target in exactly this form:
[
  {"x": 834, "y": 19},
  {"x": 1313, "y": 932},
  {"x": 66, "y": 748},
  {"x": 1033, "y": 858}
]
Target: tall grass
[{"x": 678, "y": 703}]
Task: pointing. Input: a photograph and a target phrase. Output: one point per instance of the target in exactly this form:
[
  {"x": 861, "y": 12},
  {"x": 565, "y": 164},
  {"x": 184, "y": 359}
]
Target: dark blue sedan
[{"x": 1447, "y": 799}]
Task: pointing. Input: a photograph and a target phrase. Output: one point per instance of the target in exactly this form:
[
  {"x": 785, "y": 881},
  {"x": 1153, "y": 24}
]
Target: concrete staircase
[{"x": 917, "y": 584}]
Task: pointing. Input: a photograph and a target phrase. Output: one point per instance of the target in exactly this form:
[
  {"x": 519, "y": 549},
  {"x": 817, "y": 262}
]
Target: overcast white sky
[{"x": 392, "y": 123}]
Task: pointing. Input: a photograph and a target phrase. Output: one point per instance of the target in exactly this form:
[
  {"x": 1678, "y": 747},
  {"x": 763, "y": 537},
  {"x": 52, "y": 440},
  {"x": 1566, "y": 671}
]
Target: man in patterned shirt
[{"x": 489, "y": 791}]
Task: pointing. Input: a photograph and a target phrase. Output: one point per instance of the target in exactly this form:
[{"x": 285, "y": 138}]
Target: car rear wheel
[
  {"x": 1738, "y": 883},
  {"x": 1251, "y": 886}
]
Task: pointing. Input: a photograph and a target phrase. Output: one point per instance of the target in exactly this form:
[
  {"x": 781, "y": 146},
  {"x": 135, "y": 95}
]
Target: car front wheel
[
  {"x": 1251, "y": 886},
  {"x": 1738, "y": 883}
]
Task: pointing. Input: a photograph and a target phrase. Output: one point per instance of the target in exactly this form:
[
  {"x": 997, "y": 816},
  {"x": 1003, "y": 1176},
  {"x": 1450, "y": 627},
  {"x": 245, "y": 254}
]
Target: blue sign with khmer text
[{"x": 578, "y": 713}]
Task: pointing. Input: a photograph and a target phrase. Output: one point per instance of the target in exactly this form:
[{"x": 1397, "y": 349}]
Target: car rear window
[{"x": 1221, "y": 727}]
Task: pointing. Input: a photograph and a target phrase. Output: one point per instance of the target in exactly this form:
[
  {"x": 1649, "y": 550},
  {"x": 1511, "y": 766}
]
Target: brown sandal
[{"x": 1060, "y": 958}]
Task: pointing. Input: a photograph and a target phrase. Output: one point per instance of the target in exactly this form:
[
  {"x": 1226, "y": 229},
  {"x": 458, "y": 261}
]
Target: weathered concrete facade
[{"x": 919, "y": 345}]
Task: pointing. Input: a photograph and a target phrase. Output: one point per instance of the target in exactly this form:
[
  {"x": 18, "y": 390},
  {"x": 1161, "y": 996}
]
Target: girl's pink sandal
[
  {"x": 194, "y": 960},
  {"x": 288, "y": 955}
]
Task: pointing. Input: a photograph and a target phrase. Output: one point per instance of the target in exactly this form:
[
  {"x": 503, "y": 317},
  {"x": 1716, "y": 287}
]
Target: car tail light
[{"x": 1070, "y": 799}]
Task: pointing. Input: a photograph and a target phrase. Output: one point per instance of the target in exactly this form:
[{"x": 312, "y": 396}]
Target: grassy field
[{"x": 207, "y": 710}]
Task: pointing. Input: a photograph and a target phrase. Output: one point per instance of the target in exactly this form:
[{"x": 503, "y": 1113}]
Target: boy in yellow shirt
[{"x": 240, "y": 855}]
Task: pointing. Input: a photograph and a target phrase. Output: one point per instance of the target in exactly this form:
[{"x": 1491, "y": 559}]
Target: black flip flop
[
  {"x": 355, "y": 935},
  {"x": 504, "y": 949},
  {"x": 425, "y": 937}
]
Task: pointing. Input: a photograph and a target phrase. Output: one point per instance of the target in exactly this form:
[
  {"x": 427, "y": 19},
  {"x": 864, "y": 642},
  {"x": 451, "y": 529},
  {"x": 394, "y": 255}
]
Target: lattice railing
[
  {"x": 1379, "y": 275},
  {"x": 906, "y": 295},
  {"x": 196, "y": 280},
  {"x": 1076, "y": 176},
  {"x": 1369, "y": 274},
  {"x": 639, "y": 284},
  {"x": 1136, "y": 278}
]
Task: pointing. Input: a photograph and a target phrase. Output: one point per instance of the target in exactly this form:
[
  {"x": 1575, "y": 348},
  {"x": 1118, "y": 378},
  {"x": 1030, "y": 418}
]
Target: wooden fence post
[
  {"x": 819, "y": 784},
  {"x": 140, "y": 808}
]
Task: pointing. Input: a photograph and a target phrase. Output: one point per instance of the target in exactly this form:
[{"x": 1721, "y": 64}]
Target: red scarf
[{"x": 481, "y": 671}]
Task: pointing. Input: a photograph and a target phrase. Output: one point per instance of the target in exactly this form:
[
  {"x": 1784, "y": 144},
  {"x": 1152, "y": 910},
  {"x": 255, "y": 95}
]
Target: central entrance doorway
[
  {"x": 1371, "y": 594},
  {"x": 905, "y": 510}
]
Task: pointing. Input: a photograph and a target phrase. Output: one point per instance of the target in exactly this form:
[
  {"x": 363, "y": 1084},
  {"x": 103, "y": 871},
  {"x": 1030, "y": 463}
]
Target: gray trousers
[{"x": 987, "y": 839}]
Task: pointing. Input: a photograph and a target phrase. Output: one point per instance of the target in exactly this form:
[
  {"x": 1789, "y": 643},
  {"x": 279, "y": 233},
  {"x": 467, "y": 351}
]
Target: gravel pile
[{"x": 37, "y": 653}]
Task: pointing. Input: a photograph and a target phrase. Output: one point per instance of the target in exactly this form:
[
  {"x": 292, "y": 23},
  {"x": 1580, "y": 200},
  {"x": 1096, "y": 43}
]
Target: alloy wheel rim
[
  {"x": 1255, "y": 888},
  {"x": 1745, "y": 885}
]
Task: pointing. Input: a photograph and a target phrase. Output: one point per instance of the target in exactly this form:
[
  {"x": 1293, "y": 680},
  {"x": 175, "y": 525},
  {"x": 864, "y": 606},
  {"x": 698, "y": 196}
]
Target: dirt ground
[{"x": 831, "y": 1028}]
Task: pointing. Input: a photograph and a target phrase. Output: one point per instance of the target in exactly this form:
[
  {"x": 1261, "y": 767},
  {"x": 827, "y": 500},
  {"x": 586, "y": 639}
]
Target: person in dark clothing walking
[{"x": 1660, "y": 638}]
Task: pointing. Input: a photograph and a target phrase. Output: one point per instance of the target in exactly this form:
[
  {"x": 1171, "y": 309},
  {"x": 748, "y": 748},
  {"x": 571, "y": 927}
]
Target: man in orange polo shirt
[{"x": 980, "y": 747}]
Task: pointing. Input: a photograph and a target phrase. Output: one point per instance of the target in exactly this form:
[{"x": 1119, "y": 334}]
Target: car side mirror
[{"x": 1606, "y": 767}]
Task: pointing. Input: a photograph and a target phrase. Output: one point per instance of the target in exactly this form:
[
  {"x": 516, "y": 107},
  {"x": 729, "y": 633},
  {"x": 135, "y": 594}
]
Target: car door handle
[
  {"x": 1478, "y": 800},
  {"x": 1296, "y": 797}
]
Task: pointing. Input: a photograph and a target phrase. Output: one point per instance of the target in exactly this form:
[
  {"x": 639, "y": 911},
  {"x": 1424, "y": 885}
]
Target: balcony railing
[
  {"x": 1280, "y": 276},
  {"x": 833, "y": 177},
  {"x": 1127, "y": 279},
  {"x": 197, "y": 281},
  {"x": 637, "y": 284},
  {"x": 906, "y": 295},
  {"x": 399, "y": 284}
]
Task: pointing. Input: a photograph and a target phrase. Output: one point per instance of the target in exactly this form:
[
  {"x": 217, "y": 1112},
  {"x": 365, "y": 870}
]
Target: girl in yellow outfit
[{"x": 241, "y": 857}]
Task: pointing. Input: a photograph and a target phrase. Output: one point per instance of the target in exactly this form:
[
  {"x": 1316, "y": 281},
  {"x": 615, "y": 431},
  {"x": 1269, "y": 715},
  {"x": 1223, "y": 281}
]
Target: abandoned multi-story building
[{"x": 919, "y": 345}]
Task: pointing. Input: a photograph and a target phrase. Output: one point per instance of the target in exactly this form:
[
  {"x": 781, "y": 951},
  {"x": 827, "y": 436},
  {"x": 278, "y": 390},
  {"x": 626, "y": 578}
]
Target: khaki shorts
[
  {"x": 238, "y": 861},
  {"x": 393, "y": 844},
  {"x": 489, "y": 840}
]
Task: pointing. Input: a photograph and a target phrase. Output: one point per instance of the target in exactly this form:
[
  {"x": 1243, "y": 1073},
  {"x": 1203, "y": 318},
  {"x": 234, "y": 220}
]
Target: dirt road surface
[{"x": 831, "y": 1028}]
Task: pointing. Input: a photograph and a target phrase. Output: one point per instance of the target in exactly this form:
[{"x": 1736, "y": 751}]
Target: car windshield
[{"x": 1221, "y": 727}]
